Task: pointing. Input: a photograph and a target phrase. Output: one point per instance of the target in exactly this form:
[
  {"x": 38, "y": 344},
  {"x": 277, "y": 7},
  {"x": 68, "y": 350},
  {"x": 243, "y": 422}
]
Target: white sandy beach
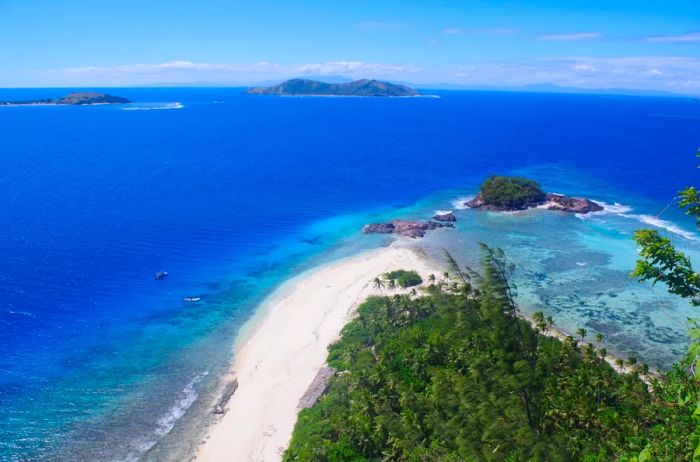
[{"x": 284, "y": 349}]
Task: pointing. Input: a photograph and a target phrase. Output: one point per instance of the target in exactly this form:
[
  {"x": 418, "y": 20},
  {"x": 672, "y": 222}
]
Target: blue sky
[{"x": 642, "y": 44}]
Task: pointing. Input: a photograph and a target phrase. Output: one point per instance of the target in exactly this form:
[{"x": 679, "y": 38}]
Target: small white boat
[{"x": 192, "y": 299}]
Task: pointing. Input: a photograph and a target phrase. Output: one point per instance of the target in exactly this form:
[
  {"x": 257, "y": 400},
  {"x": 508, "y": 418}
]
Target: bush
[
  {"x": 405, "y": 278},
  {"x": 511, "y": 192},
  {"x": 458, "y": 376}
]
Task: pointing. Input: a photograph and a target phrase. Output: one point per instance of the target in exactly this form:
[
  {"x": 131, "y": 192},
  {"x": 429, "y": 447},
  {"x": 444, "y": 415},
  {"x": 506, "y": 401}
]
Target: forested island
[
  {"x": 72, "y": 99},
  {"x": 509, "y": 194},
  {"x": 306, "y": 87},
  {"x": 457, "y": 374}
]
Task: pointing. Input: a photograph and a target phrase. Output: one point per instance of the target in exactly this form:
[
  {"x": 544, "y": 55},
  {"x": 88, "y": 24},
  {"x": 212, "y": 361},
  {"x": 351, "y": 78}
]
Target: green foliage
[
  {"x": 661, "y": 262},
  {"x": 404, "y": 278},
  {"x": 511, "y": 192},
  {"x": 457, "y": 375}
]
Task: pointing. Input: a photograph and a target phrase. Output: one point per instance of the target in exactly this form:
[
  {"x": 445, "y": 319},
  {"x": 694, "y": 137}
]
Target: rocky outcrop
[
  {"x": 479, "y": 203},
  {"x": 228, "y": 391},
  {"x": 449, "y": 217},
  {"x": 406, "y": 228},
  {"x": 318, "y": 387},
  {"x": 571, "y": 204},
  {"x": 558, "y": 202}
]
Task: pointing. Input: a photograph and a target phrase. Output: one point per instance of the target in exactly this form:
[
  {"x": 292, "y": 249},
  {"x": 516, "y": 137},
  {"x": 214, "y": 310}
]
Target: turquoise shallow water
[{"x": 576, "y": 268}]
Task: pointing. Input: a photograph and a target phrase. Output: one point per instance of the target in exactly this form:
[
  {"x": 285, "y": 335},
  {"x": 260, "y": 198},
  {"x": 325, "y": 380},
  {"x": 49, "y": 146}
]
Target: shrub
[
  {"x": 405, "y": 278},
  {"x": 511, "y": 192}
]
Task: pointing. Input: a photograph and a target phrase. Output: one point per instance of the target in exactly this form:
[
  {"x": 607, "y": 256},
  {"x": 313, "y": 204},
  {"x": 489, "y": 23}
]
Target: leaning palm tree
[
  {"x": 378, "y": 284},
  {"x": 391, "y": 284},
  {"x": 599, "y": 338},
  {"x": 581, "y": 333}
]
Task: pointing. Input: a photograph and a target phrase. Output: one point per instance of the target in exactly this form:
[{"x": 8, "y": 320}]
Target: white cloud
[
  {"x": 683, "y": 38},
  {"x": 572, "y": 37},
  {"x": 677, "y": 74},
  {"x": 188, "y": 72},
  {"x": 583, "y": 67},
  {"x": 454, "y": 31}
]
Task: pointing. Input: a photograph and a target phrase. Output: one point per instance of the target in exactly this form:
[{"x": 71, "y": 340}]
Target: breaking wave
[
  {"x": 167, "y": 421},
  {"x": 623, "y": 211},
  {"x": 458, "y": 203}
]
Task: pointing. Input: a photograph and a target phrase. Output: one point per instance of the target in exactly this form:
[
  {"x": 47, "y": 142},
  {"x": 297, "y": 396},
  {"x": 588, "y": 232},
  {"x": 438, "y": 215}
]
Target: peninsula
[
  {"x": 71, "y": 99},
  {"x": 509, "y": 194},
  {"x": 305, "y": 87}
]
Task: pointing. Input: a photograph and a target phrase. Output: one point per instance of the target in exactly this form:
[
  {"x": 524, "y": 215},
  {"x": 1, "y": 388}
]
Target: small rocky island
[
  {"x": 306, "y": 87},
  {"x": 508, "y": 194},
  {"x": 407, "y": 228},
  {"x": 82, "y": 98}
]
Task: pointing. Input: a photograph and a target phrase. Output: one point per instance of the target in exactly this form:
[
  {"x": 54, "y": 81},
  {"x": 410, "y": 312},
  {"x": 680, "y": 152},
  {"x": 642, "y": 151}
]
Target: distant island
[
  {"x": 71, "y": 99},
  {"x": 306, "y": 87},
  {"x": 508, "y": 194}
]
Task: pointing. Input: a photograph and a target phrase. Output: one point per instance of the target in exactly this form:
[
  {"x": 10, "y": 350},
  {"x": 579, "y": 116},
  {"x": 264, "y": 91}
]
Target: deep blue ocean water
[{"x": 232, "y": 193}]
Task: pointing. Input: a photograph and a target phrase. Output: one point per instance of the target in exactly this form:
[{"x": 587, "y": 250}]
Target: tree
[
  {"x": 431, "y": 278},
  {"x": 581, "y": 333},
  {"x": 661, "y": 262},
  {"x": 378, "y": 284}
]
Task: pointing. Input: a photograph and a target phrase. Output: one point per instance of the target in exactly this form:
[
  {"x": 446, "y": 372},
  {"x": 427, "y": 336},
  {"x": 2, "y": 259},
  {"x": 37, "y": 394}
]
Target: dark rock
[
  {"x": 406, "y": 228},
  {"x": 571, "y": 204},
  {"x": 318, "y": 387},
  {"x": 449, "y": 216},
  {"x": 558, "y": 202},
  {"x": 226, "y": 394}
]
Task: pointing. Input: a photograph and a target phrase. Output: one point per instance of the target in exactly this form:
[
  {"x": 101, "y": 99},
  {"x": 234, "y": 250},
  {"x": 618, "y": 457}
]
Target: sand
[{"x": 285, "y": 346}]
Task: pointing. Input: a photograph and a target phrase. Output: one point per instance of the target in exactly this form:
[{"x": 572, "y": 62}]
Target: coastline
[{"x": 282, "y": 348}]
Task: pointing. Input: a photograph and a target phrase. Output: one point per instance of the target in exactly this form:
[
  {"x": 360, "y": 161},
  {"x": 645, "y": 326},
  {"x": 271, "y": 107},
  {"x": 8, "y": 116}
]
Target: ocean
[{"x": 232, "y": 193}]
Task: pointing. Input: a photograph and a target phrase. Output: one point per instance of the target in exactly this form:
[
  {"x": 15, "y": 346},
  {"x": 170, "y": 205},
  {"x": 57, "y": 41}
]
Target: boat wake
[{"x": 153, "y": 106}]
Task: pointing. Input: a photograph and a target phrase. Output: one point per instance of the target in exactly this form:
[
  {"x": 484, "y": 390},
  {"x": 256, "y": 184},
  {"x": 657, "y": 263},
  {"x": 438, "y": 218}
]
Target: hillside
[{"x": 364, "y": 87}]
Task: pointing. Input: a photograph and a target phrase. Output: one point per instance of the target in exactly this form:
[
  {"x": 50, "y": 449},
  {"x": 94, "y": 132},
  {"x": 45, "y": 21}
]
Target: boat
[
  {"x": 192, "y": 299},
  {"x": 161, "y": 275}
]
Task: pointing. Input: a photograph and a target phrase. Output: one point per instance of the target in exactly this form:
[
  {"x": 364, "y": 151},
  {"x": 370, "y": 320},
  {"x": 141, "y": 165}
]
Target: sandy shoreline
[{"x": 284, "y": 347}]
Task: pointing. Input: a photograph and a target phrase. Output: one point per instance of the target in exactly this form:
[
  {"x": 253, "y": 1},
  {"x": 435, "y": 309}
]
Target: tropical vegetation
[
  {"x": 459, "y": 375},
  {"x": 404, "y": 278},
  {"x": 511, "y": 192}
]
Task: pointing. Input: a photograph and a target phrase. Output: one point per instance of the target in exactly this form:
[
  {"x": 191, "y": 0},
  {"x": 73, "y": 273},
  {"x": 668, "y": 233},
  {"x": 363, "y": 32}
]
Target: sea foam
[
  {"x": 167, "y": 421},
  {"x": 623, "y": 211},
  {"x": 153, "y": 106},
  {"x": 458, "y": 203}
]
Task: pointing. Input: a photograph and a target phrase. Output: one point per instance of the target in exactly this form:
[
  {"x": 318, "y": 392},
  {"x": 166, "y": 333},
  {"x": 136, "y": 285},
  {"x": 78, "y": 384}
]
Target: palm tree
[
  {"x": 431, "y": 278},
  {"x": 391, "y": 284},
  {"x": 599, "y": 338},
  {"x": 378, "y": 284},
  {"x": 446, "y": 276},
  {"x": 581, "y": 333}
]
